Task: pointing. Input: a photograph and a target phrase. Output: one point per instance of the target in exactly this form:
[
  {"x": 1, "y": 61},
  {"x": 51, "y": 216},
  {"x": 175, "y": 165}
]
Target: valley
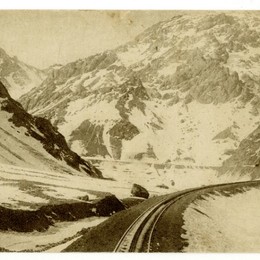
[{"x": 150, "y": 146}]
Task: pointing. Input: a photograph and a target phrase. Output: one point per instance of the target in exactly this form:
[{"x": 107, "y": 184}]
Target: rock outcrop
[
  {"x": 46, "y": 216},
  {"x": 139, "y": 191}
]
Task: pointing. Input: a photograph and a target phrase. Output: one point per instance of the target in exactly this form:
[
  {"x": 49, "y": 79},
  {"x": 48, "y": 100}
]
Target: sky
[{"x": 43, "y": 38}]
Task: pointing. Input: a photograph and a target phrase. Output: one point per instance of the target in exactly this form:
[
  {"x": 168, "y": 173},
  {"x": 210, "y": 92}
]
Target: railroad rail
[{"x": 138, "y": 236}]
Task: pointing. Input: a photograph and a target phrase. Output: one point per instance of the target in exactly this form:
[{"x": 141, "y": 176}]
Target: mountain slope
[
  {"x": 33, "y": 142},
  {"x": 167, "y": 95},
  {"x": 18, "y": 77},
  {"x": 246, "y": 158}
]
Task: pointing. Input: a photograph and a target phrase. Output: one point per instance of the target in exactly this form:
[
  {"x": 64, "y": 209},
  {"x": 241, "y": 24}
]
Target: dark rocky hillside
[{"x": 42, "y": 131}]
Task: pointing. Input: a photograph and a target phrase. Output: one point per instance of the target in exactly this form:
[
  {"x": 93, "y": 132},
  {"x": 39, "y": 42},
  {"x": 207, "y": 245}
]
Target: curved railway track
[{"x": 138, "y": 236}]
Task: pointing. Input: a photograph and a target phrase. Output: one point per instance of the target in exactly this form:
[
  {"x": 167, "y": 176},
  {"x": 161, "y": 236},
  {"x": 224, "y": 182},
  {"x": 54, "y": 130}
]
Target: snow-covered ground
[
  {"x": 29, "y": 188},
  {"x": 17, "y": 147},
  {"x": 38, "y": 241},
  {"x": 225, "y": 224},
  {"x": 150, "y": 175},
  {"x": 26, "y": 188}
]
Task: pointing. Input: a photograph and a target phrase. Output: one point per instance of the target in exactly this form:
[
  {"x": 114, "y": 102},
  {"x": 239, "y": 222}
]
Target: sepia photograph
[{"x": 130, "y": 131}]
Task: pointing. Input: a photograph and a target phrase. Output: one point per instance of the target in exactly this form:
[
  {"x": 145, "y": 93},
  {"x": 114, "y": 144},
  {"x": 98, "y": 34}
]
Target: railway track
[{"x": 138, "y": 236}]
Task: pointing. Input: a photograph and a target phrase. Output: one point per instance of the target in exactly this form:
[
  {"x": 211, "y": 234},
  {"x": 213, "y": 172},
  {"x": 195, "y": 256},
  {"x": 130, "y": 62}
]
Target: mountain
[
  {"x": 18, "y": 77},
  {"x": 246, "y": 158},
  {"x": 32, "y": 142},
  {"x": 185, "y": 90}
]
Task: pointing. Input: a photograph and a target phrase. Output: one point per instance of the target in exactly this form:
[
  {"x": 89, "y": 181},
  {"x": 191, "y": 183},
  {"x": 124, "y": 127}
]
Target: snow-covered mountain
[
  {"x": 32, "y": 142},
  {"x": 185, "y": 90},
  {"x": 18, "y": 77}
]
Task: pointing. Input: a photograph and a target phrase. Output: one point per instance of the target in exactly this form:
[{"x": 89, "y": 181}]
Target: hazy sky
[{"x": 42, "y": 38}]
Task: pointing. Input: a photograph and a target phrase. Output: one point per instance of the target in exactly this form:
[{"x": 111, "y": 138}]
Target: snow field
[{"x": 228, "y": 224}]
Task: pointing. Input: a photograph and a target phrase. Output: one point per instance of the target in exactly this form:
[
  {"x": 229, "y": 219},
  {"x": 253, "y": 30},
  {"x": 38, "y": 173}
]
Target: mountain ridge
[
  {"x": 19, "y": 77},
  {"x": 189, "y": 67}
]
